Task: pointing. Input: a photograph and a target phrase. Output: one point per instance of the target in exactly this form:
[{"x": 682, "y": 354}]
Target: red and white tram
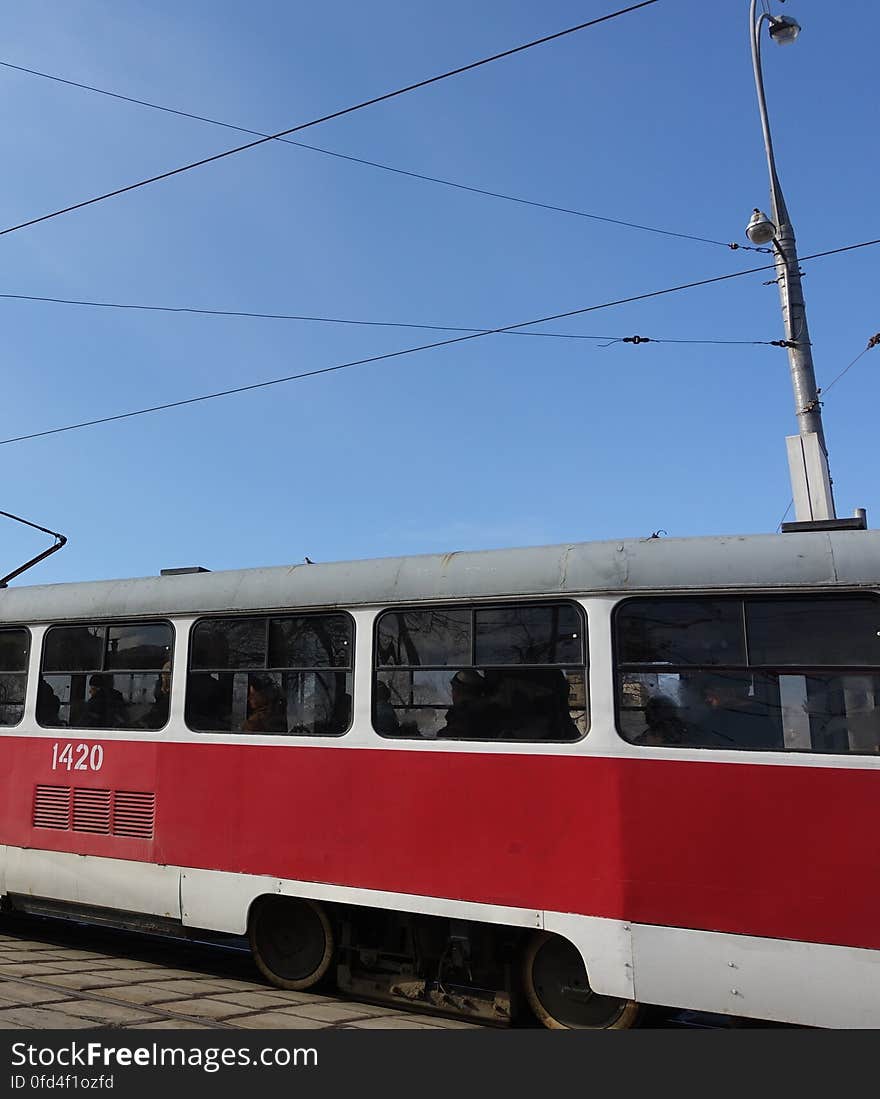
[{"x": 601, "y": 775}]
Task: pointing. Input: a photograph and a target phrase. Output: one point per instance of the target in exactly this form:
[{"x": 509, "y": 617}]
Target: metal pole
[
  {"x": 800, "y": 352},
  {"x": 60, "y": 542}
]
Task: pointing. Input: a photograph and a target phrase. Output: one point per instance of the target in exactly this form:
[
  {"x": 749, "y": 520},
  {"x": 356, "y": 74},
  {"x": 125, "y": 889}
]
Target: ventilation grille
[
  {"x": 126, "y": 813},
  {"x": 52, "y": 807},
  {"x": 134, "y": 814},
  {"x": 91, "y": 811}
]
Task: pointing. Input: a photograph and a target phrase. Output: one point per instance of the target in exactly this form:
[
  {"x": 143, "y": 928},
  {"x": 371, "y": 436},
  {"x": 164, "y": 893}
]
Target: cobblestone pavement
[{"x": 62, "y": 977}]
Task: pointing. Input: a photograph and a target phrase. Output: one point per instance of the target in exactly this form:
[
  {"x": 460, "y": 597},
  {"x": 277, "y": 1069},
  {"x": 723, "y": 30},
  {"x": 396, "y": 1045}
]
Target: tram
[{"x": 573, "y": 780}]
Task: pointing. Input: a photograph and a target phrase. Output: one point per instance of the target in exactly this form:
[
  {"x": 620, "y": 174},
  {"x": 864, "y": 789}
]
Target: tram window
[
  {"x": 229, "y": 643},
  {"x": 701, "y": 710},
  {"x": 510, "y": 673},
  {"x": 831, "y": 713},
  {"x": 528, "y": 635},
  {"x": 106, "y": 677},
  {"x": 74, "y": 649},
  {"x": 14, "y": 650},
  {"x": 310, "y": 642},
  {"x": 681, "y": 632},
  {"x": 137, "y": 646},
  {"x": 419, "y": 638},
  {"x": 834, "y": 632},
  {"x": 784, "y": 690},
  {"x": 289, "y": 675}
]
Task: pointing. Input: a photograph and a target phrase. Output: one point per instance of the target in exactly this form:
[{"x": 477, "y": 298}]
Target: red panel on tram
[{"x": 754, "y": 849}]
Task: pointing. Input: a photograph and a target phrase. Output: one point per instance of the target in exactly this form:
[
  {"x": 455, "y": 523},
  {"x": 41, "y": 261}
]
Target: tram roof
[{"x": 777, "y": 562}]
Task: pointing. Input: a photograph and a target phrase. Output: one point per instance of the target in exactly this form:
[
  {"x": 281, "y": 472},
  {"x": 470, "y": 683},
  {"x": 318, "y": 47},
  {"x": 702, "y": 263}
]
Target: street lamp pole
[{"x": 810, "y": 481}]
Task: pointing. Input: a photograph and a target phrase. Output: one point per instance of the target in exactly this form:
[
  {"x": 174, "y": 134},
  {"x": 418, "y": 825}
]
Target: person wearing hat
[
  {"x": 266, "y": 708},
  {"x": 105, "y": 708},
  {"x": 473, "y": 715}
]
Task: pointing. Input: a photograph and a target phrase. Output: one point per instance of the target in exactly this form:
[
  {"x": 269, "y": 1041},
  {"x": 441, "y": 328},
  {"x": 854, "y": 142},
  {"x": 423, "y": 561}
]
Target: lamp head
[
  {"x": 783, "y": 29},
  {"x": 760, "y": 229}
]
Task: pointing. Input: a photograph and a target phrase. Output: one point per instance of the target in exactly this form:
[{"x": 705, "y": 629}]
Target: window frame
[
  {"x": 376, "y": 669},
  {"x": 7, "y": 628},
  {"x": 778, "y": 670},
  {"x": 280, "y": 738},
  {"x": 108, "y": 624}
]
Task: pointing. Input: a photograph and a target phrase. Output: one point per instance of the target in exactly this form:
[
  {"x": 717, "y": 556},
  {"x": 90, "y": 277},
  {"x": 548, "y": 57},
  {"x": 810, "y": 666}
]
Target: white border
[{"x": 808, "y": 983}]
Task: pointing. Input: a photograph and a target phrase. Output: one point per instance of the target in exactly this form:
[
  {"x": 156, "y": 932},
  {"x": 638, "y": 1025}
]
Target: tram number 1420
[{"x": 77, "y": 757}]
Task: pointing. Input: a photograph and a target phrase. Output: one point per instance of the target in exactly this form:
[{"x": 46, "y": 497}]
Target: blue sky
[{"x": 501, "y": 441}]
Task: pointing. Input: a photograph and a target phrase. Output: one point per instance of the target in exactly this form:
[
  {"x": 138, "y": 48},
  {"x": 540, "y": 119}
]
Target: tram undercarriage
[
  {"x": 497, "y": 975},
  {"x": 424, "y": 961}
]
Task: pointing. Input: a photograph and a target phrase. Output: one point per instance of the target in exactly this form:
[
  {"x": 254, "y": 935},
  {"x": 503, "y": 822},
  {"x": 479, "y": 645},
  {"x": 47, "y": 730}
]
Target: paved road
[
  {"x": 55, "y": 976},
  {"x": 60, "y": 976}
]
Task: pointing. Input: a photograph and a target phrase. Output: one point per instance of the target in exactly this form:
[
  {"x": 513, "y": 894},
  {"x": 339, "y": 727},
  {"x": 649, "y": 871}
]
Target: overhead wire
[
  {"x": 423, "y": 347},
  {"x": 385, "y": 167},
  {"x": 874, "y": 341},
  {"x": 329, "y": 117},
  {"x": 186, "y": 309}
]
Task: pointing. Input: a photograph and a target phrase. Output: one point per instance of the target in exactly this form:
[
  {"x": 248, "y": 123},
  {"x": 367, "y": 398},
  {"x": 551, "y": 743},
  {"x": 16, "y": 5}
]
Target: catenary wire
[
  {"x": 384, "y": 167},
  {"x": 423, "y": 347},
  {"x": 873, "y": 342},
  {"x": 364, "y": 323},
  {"x": 329, "y": 117}
]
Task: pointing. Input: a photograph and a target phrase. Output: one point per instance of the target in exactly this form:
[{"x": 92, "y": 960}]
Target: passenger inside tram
[
  {"x": 665, "y": 726},
  {"x": 266, "y": 711},
  {"x": 533, "y": 703},
  {"x": 157, "y": 715},
  {"x": 105, "y": 707},
  {"x": 528, "y": 704},
  {"x": 208, "y": 702},
  {"x": 48, "y": 705},
  {"x": 734, "y": 713},
  {"x": 209, "y": 693},
  {"x": 384, "y": 716},
  {"x": 473, "y": 715}
]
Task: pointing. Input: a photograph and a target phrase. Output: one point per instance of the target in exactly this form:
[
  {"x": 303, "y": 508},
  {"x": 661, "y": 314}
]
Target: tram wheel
[
  {"x": 559, "y": 992},
  {"x": 291, "y": 940}
]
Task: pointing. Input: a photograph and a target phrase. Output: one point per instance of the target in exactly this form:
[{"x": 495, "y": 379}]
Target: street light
[
  {"x": 760, "y": 229},
  {"x": 808, "y": 454},
  {"x": 783, "y": 30}
]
